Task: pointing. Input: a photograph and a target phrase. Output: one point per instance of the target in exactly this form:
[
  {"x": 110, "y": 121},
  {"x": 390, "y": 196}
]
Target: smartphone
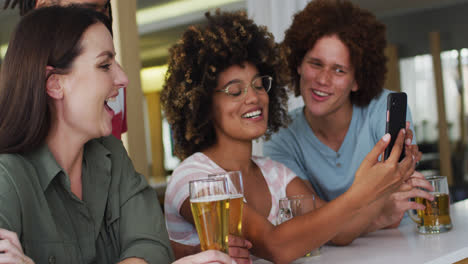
[{"x": 396, "y": 120}]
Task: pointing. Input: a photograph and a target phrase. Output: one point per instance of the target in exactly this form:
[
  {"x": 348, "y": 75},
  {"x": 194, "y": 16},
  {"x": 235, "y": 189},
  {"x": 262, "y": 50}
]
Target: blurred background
[{"x": 428, "y": 59}]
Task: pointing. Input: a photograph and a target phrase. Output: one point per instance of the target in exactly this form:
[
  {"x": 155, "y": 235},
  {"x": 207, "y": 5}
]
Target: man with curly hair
[
  {"x": 224, "y": 88},
  {"x": 335, "y": 54},
  {"x": 119, "y": 121}
]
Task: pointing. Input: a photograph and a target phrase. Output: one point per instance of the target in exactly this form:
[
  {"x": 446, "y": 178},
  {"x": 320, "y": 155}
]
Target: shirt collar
[
  {"x": 95, "y": 150},
  {"x": 47, "y": 166}
]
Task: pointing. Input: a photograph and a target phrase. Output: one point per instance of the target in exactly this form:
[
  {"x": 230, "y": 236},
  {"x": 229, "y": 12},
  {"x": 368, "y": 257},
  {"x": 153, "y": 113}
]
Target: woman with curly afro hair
[
  {"x": 224, "y": 88},
  {"x": 336, "y": 61}
]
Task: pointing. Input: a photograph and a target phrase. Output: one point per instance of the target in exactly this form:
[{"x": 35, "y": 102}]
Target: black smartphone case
[{"x": 396, "y": 119}]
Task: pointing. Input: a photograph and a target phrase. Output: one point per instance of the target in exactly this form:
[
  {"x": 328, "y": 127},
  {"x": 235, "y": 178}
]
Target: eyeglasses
[{"x": 238, "y": 89}]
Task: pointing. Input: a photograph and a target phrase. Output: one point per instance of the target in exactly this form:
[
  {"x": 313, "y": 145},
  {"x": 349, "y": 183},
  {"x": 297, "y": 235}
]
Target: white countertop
[{"x": 403, "y": 245}]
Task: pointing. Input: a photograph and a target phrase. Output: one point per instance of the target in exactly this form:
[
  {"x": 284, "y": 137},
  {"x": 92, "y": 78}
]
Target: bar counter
[{"x": 403, "y": 245}]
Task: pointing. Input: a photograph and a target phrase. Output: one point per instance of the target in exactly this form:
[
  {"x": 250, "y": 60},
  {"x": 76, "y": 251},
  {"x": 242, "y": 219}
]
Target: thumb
[{"x": 373, "y": 157}]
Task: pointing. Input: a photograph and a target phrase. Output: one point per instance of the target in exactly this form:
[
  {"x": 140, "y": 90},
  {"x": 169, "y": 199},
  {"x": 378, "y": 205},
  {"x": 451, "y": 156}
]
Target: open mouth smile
[{"x": 253, "y": 114}]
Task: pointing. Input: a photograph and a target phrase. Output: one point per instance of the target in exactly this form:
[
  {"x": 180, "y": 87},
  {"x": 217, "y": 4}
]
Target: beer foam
[{"x": 212, "y": 198}]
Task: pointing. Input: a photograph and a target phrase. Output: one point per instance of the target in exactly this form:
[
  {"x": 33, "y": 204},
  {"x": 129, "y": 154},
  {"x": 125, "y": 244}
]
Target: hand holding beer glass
[
  {"x": 293, "y": 206},
  {"x": 209, "y": 201},
  {"x": 435, "y": 218},
  {"x": 236, "y": 200}
]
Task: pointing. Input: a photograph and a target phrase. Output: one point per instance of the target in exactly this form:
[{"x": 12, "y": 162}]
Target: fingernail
[
  {"x": 413, "y": 157},
  {"x": 408, "y": 141},
  {"x": 234, "y": 262},
  {"x": 404, "y": 131},
  {"x": 386, "y": 137}
]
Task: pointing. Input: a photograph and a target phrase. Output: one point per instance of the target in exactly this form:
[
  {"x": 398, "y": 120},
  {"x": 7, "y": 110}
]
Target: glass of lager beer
[
  {"x": 236, "y": 200},
  {"x": 209, "y": 201},
  {"x": 436, "y": 217},
  {"x": 293, "y": 206}
]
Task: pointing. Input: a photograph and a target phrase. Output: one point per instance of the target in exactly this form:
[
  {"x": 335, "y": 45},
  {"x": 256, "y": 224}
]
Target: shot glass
[{"x": 297, "y": 205}]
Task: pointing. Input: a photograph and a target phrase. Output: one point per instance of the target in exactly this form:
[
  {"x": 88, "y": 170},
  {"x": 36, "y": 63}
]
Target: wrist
[{"x": 355, "y": 200}]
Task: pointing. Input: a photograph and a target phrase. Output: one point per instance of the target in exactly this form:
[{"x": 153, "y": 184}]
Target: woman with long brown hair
[{"x": 68, "y": 190}]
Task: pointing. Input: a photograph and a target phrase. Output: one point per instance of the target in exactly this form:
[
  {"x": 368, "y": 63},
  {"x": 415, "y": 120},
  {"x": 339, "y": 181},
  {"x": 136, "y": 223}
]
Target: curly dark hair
[
  {"x": 358, "y": 29},
  {"x": 195, "y": 62}
]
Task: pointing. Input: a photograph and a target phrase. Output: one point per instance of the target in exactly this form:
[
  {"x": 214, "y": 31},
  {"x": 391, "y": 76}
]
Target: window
[{"x": 417, "y": 80}]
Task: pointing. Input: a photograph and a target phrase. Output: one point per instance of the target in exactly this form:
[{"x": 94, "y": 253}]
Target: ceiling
[
  {"x": 383, "y": 8},
  {"x": 154, "y": 41},
  {"x": 163, "y": 39}
]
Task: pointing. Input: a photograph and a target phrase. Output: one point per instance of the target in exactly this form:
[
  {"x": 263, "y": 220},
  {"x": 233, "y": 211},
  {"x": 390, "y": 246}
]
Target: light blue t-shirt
[{"x": 331, "y": 173}]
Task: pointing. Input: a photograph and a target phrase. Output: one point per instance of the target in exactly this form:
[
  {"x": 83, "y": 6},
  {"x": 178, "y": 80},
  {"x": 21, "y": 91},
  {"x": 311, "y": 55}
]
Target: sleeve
[
  {"x": 289, "y": 175},
  {"x": 177, "y": 190},
  {"x": 142, "y": 228},
  {"x": 281, "y": 148},
  {"x": 10, "y": 212},
  {"x": 194, "y": 167},
  {"x": 178, "y": 187}
]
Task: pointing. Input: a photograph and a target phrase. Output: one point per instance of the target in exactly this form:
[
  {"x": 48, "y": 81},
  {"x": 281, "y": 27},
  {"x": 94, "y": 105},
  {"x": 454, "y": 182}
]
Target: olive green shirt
[{"x": 118, "y": 217}]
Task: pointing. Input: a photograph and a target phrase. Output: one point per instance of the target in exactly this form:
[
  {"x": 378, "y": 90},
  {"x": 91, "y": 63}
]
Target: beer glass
[
  {"x": 293, "y": 206},
  {"x": 209, "y": 201},
  {"x": 236, "y": 200},
  {"x": 435, "y": 218}
]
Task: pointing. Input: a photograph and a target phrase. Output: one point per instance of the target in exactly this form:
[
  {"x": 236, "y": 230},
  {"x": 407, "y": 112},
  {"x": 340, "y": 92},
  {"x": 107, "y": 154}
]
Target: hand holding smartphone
[{"x": 396, "y": 120}]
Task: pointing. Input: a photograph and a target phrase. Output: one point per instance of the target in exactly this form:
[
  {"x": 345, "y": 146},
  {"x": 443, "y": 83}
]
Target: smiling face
[
  {"x": 95, "y": 78},
  {"x": 246, "y": 119},
  {"x": 327, "y": 78}
]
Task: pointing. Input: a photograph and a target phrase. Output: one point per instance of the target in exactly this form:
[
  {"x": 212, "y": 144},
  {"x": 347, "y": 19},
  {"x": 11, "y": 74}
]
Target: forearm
[
  {"x": 380, "y": 221},
  {"x": 365, "y": 221},
  {"x": 358, "y": 225},
  {"x": 388, "y": 210},
  {"x": 296, "y": 237},
  {"x": 142, "y": 229}
]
